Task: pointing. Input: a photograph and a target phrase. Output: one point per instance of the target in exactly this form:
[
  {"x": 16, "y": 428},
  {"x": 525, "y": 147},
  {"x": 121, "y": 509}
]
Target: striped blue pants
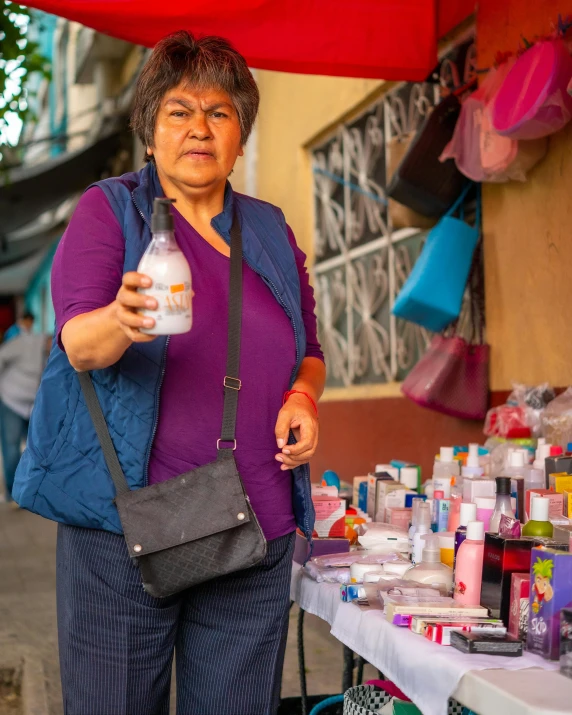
[{"x": 117, "y": 642}]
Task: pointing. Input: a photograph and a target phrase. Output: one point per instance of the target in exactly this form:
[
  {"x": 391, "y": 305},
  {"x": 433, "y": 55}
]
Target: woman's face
[{"x": 197, "y": 138}]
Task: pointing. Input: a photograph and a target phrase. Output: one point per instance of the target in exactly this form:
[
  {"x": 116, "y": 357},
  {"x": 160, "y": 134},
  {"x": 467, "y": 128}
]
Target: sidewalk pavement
[{"x": 28, "y": 612}]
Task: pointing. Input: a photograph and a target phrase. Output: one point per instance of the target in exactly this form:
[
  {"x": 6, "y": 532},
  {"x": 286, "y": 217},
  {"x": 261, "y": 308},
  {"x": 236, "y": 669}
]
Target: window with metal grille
[{"x": 361, "y": 260}]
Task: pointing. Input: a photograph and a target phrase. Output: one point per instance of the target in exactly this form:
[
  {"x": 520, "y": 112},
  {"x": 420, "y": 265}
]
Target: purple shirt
[{"x": 86, "y": 275}]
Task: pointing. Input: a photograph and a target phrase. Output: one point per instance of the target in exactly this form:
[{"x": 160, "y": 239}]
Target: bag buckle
[
  {"x": 235, "y": 385},
  {"x": 226, "y": 440}
]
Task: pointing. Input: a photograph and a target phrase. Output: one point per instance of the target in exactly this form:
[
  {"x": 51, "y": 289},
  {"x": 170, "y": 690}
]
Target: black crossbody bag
[{"x": 199, "y": 525}]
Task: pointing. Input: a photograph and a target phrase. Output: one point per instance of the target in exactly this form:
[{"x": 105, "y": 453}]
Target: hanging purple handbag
[{"x": 453, "y": 375}]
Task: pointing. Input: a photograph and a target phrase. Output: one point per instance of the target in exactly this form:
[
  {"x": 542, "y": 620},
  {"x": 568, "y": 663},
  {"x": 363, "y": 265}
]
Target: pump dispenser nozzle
[
  {"x": 162, "y": 218},
  {"x": 431, "y": 550},
  {"x": 165, "y": 264}
]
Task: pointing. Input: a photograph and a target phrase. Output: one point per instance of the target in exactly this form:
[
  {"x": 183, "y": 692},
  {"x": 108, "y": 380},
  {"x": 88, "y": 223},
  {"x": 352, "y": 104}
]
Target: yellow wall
[
  {"x": 527, "y": 227},
  {"x": 527, "y": 231},
  {"x": 294, "y": 109}
]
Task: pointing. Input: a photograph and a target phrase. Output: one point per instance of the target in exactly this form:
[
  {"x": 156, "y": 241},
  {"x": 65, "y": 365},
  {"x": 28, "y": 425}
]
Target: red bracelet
[{"x": 300, "y": 392}]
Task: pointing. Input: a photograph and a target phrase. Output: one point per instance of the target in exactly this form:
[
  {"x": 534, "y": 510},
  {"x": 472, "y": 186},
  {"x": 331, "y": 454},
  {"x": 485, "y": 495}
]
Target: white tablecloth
[
  {"x": 428, "y": 673},
  {"x": 320, "y": 599}
]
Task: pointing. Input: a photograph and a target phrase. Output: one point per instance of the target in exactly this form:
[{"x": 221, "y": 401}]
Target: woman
[{"x": 195, "y": 105}]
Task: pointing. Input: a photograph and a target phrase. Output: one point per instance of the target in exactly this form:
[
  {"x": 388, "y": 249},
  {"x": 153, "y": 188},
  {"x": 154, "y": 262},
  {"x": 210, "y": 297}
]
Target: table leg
[
  {"x": 348, "y": 669},
  {"x": 360, "y": 665},
  {"x": 302, "y": 663}
]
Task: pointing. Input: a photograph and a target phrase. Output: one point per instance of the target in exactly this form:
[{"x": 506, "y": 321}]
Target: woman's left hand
[{"x": 297, "y": 414}]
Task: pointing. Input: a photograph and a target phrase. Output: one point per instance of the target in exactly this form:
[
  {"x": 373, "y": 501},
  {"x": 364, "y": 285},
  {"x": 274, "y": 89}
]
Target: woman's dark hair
[{"x": 210, "y": 62}]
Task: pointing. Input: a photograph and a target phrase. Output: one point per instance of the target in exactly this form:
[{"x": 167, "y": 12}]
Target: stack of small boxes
[
  {"x": 528, "y": 581},
  {"x": 388, "y": 498}
]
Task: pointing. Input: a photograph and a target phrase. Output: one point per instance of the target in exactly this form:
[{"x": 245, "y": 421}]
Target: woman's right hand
[{"x": 127, "y": 304}]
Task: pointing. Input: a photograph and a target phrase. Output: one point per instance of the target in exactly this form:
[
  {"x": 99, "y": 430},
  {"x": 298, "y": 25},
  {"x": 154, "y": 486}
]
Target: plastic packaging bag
[
  {"x": 381, "y": 541},
  {"x": 557, "y": 420},
  {"x": 509, "y": 527},
  {"x": 431, "y": 600},
  {"x": 381, "y": 528},
  {"x": 465, "y": 146},
  {"x": 401, "y": 587},
  {"x": 520, "y": 417},
  {"x": 345, "y": 560},
  {"x": 508, "y": 422},
  {"x": 327, "y": 575}
]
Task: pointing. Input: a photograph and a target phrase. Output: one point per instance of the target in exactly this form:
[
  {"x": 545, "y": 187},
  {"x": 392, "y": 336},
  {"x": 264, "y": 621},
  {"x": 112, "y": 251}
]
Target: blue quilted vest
[{"x": 62, "y": 474}]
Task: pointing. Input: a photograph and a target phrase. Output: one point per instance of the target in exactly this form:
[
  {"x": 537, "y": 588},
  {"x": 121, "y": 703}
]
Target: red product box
[
  {"x": 503, "y": 557},
  {"x": 330, "y": 517},
  {"x": 441, "y": 632},
  {"x": 519, "y": 605}
]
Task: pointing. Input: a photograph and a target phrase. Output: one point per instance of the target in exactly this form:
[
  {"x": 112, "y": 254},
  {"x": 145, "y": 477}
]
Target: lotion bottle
[
  {"x": 469, "y": 565},
  {"x": 165, "y": 264},
  {"x": 431, "y": 571},
  {"x": 539, "y": 525},
  {"x": 468, "y": 513}
]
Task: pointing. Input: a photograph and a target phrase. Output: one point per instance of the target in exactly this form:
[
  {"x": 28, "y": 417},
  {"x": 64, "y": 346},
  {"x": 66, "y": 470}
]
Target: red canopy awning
[{"x": 380, "y": 39}]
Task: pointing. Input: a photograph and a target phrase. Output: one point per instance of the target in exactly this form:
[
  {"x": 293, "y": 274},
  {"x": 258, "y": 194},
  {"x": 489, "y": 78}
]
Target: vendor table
[{"x": 430, "y": 674}]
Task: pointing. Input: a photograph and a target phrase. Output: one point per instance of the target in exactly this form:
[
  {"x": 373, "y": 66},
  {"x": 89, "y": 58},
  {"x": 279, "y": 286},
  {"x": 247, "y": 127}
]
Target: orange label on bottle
[{"x": 177, "y": 288}]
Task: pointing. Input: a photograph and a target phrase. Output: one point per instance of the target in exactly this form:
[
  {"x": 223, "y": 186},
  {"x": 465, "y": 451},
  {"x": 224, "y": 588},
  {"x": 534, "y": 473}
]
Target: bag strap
[
  {"x": 231, "y": 381},
  {"x": 98, "y": 419},
  {"x": 459, "y": 202}
]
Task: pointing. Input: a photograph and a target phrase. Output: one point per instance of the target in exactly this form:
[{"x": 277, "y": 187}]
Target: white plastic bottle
[
  {"x": 414, "y": 521},
  {"x": 473, "y": 467},
  {"x": 446, "y": 466},
  {"x": 165, "y": 264},
  {"x": 423, "y": 527},
  {"x": 431, "y": 571},
  {"x": 542, "y": 452},
  {"x": 515, "y": 464},
  {"x": 469, "y": 565}
]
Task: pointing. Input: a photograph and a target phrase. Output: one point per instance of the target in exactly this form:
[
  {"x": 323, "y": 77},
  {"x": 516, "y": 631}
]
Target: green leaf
[{"x": 20, "y": 59}]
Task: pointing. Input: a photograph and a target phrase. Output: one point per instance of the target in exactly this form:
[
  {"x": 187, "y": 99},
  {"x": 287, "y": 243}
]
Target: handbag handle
[
  {"x": 473, "y": 312},
  {"x": 461, "y": 199},
  {"x": 231, "y": 381}
]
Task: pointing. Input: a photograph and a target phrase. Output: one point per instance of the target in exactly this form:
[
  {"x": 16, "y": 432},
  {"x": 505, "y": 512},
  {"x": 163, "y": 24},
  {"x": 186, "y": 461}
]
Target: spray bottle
[
  {"x": 473, "y": 468},
  {"x": 423, "y": 527}
]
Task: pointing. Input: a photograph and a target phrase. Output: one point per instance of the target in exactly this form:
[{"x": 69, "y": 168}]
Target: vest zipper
[
  {"x": 158, "y": 392},
  {"x": 274, "y": 288},
  {"x": 156, "y": 416}
]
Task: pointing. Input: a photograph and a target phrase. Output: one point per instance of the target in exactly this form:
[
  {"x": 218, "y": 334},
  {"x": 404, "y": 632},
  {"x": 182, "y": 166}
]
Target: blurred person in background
[
  {"x": 20, "y": 327},
  {"x": 22, "y": 361}
]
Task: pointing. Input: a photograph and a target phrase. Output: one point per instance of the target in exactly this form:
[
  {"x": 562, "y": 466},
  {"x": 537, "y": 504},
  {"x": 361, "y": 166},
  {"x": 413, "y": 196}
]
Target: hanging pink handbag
[
  {"x": 532, "y": 101},
  {"x": 465, "y": 146},
  {"x": 453, "y": 375},
  {"x": 479, "y": 151}
]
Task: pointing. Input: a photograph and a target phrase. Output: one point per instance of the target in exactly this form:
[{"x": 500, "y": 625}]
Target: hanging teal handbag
[{"x": 433, "y": 292}]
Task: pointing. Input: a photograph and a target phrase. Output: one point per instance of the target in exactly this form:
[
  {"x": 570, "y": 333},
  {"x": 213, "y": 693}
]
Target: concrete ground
[{"x": 28, "y": 612}]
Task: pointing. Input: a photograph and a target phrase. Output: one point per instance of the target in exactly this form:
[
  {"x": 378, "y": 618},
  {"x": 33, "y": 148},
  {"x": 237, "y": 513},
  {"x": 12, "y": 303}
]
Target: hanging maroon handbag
[
  {"x": 453, "y": 375},
  {"x": 452, "y": 378}
]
